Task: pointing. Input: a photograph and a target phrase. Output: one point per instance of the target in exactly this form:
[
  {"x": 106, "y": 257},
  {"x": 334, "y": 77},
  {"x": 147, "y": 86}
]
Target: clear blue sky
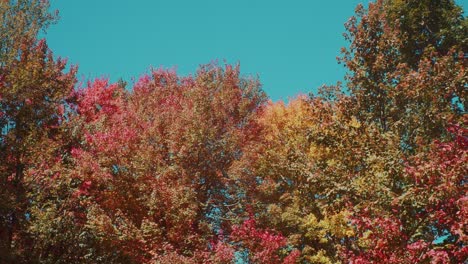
[{"x": 292, "y": 45}]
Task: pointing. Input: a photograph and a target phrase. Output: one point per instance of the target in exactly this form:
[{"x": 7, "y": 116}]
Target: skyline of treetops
[{"x": 207, "y": 168}]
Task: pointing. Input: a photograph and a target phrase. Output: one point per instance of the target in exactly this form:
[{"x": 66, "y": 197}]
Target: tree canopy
[{"x": 206, "y": 169}]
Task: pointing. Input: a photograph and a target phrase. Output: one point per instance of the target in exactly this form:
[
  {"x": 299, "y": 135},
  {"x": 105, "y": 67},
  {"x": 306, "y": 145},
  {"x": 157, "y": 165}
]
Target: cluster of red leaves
[{"x": 263, "y": 246}]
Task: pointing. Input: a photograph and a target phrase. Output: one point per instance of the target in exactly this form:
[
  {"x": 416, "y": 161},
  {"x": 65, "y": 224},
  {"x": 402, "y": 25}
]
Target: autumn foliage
[{"x": 205, "y": 169}]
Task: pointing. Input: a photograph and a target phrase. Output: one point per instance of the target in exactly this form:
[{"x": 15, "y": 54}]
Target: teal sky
[{"x": 291, "y": 45}]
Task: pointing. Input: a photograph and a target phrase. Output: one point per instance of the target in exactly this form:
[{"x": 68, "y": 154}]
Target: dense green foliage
[{"x": 204, "y": 169}]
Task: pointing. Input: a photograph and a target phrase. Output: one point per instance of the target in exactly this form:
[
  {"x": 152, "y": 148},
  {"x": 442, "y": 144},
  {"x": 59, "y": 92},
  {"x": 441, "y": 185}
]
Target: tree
[
  {"x": 407, "y": 67},
  {"x": 20, "y": 23},
  {"x": 148, "y": 180},
  {"x": 408, "y": 77},
  {"x": 425, "y": 25},
  {"x": 33, "y": 94}
]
